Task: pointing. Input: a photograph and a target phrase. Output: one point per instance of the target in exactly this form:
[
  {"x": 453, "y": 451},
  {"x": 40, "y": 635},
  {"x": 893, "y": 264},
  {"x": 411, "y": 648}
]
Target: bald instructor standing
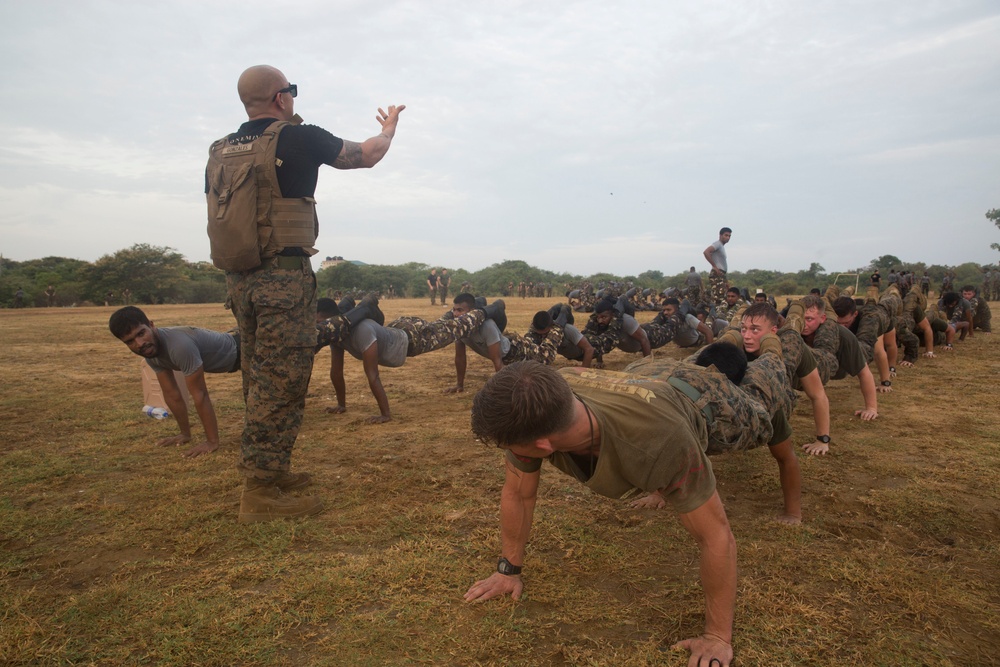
[{"x": 264, "y": 241}]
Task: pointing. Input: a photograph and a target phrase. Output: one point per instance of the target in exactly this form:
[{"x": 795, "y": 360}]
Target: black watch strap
[
  {"x": 886, "y": 383},
  {"x": 825, "y": 439},
  {"x": 504, "y": 566}
]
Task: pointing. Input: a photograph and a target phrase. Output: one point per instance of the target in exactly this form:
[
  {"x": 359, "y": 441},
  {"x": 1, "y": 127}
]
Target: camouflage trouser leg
[
  {"x": 443, "y": 294},
  {"x": 524, "y": 349},
  {"x": 908, "y": 340},
  {"x": 429, "y": 336},
  {"x": 717, "y": 286},
  {"x": 660, "y": 334},
  {"x": 603, "y": 341},
  {"x": 871, "y": 326},
  {"x": 433, "y": 291},
  {"x": 275, "y": 309},
  {"x": 826, "y": 342},
  {"x": 740, "y": 419},
  {"x": 332, "y": 331},
  {"x": 792, "y": 349}
]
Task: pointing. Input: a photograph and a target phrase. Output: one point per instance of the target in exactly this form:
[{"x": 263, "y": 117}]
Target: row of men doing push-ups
[
  {"x": 608, "y": 430},
  {"x": 814, "y": 348},
  {"x": 821, "y": 351}
]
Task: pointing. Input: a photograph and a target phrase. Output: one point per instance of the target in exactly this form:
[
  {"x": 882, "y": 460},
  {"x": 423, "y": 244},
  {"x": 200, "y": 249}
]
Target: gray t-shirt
[
  {"x": 392, "y": 343},
  {"x": 687, "y": 332},
  {"x": 719, "y": 260},
  {"x": 186, "y": 349},
  {"x": 570, "y": 345},
  {"x": 693, "y": 279},
  {"x": 629, "y": 327},
  {"x": 486, "y": 335}
]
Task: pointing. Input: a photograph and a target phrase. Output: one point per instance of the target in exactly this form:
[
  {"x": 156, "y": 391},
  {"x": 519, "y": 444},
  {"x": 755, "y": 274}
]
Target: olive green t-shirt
[{"x": 651, "y": 437}]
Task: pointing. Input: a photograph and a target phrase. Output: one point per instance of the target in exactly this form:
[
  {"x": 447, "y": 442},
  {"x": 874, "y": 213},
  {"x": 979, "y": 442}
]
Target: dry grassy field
[{"x": 116, "y": 552}]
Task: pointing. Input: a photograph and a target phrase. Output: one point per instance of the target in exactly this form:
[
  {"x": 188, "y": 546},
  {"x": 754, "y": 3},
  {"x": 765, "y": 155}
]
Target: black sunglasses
[{"x": 292, "y": 90}]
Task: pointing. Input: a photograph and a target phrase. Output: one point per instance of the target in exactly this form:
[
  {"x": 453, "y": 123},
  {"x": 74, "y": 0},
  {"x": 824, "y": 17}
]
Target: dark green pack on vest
[{"x": 248, "y": 219}]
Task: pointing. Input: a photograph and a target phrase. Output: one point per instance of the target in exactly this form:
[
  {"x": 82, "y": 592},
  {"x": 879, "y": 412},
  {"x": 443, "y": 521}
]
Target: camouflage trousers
[
  {"x": 275, "y": 309},
  {"x": 793, "y": 348},
  {"x": 906, "y": 323},
  {"x": 939, "y": 327},
  {"x": 660, "y": 333},
  {"x": 981, "y": 314},
  {"x": 427, "y": 336},
  {"x": 603, "y": 339},
  {"x": 717, "y": 286},
  {"x": 533, "y": 347},
  {"x": 743, "y": 417},
  {"x": 873, "y": 321},
  {"x": 443, "y": 294}
]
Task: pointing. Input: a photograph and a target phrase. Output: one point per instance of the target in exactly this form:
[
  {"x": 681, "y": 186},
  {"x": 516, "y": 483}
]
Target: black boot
[
  {"x": 366, "y": 310},
  {"x": 496, "y": 311},
  {"x": 560, "y": 319},
  {"x": 346, "y": 304},
  {"x": 631, "y": 293},
  {"x": 555, "y": 310}
]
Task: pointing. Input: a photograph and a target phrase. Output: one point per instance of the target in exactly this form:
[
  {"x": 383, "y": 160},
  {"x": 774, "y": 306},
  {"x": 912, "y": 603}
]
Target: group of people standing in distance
[{"x": 649, "y": 430}]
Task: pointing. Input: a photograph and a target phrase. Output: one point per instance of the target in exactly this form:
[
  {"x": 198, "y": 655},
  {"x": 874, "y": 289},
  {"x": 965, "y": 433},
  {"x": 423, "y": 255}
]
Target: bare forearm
[
  {"x": 866, "y": 382},
  {"x": 378, "y": 391},
  {"x": 178, "y": 408},
  {"x": 515, "y": 525},
  {"x": 717, "y": 566},
  {"x": 340, "y": 387},
  {"x": 206, "y": 413}
]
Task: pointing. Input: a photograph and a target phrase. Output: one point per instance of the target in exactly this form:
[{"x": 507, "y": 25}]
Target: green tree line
[{"x": 145, "y": 274}]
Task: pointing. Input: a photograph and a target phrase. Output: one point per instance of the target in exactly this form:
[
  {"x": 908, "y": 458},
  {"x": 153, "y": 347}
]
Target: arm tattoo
[{"x": 350, "y": 156}]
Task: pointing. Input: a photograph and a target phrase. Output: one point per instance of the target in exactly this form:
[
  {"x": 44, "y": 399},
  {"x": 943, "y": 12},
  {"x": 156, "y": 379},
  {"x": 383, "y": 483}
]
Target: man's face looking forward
[
  {"x": 966, "y": 294},
  {"x": 669, "y": 310},
  {"x": 725, "y": 237},
  {"x": 459, "y": 309},
  {"x": 732, "y": 298},
  {"x": 811, "y": 320},
  {"x": 753, "y": 330},
  {"x": 604, "y": 319},
  {"x": 143, "y": 341}
]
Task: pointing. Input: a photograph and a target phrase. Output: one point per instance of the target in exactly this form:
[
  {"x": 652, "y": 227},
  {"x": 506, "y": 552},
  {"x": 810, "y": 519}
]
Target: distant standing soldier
[
  {"x": 19, "y": 298},
  {"x": 694, "y": 286},
  {"x": 925, "y": 284},
  {"x": 444, "y": 282},
  {"x": 432, "y": 286},
  {"x": 50, "y": 296},
  {"x": 108, "y": 297},
  {"x": 715, "y": 254},
  {"x": 126, "y": 296}
]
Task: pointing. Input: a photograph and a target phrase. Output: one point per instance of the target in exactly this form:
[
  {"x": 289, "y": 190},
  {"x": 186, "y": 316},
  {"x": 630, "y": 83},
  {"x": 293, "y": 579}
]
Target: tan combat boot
[
  {"x": 795, "y": 319},
  {"x": 263, "y": 500},
  {"x": 292, "y": 481}
]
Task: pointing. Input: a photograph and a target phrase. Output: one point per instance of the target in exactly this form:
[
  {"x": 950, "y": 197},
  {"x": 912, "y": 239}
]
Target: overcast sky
[{"x": 577, "y": 136}]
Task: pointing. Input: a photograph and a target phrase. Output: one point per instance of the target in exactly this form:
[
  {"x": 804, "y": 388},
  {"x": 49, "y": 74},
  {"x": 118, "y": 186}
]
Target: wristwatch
[
  {"x": 886, "y": 383},
  {"x": 504, "y": 566},
  {"x": 825, "y": 439}
]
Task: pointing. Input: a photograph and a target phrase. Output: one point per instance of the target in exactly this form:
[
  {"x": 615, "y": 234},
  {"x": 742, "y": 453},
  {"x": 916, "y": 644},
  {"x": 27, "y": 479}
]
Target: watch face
[
  {"x": 504, "y": 566},
  {"x": 825, "y": 439}
]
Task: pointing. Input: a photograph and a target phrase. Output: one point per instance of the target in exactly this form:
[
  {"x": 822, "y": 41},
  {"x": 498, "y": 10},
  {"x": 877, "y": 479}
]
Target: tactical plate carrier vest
[{"x": 248, "y": 219}]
